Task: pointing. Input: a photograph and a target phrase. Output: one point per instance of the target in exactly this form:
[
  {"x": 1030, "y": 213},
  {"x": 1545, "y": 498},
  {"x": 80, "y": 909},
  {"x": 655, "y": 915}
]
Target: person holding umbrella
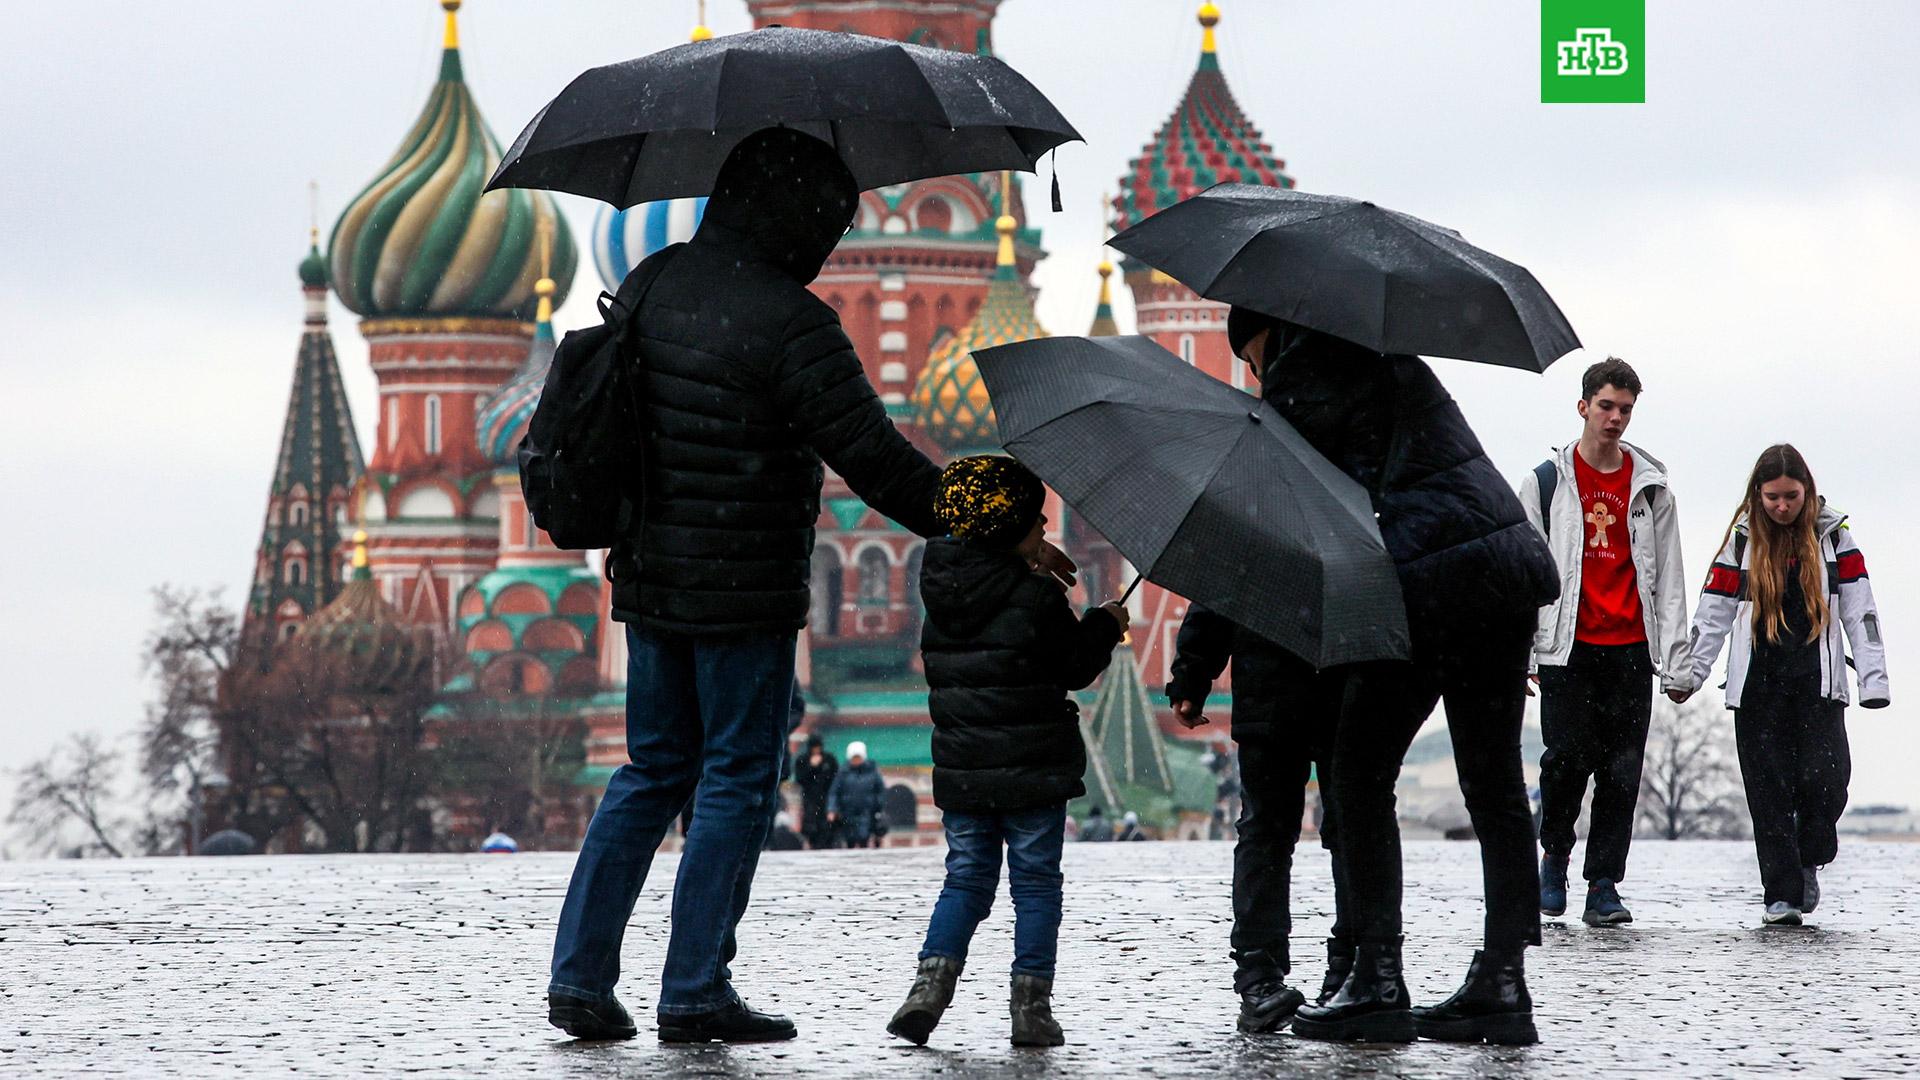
[
  {"x": 1333, "y": 298},
  {"x": 1283, "y": 719},
  {"x": 1788, "y": 583},
  {"x": 746, "y": 387}
]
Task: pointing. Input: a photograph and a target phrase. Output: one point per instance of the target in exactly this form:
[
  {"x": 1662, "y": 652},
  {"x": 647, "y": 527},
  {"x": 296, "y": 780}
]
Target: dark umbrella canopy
[
  {"x": 1207, "y": 490},
  {"x": 659, "y": 127},
  {"x": 1377, "y": 277}
]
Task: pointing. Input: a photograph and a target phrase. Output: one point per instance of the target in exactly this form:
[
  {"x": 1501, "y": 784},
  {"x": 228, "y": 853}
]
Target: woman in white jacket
[{"x": 1788, "y": 582}]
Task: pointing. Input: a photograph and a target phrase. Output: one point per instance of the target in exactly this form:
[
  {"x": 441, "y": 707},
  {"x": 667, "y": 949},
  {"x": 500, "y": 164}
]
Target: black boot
[
  {"x": 584, "y": 1019},
  {"x": 1491, "y": 1006},
  {"x": 1032, "y": 1007},
  {"x": 928, "y": 1000},
  {"x": 1267, "y": 1005},
  {"x": 735, "y": 1022},
  {"x": 1371, "y": 1006},
  {"x": 1266, "y": 1001},
  {"x": 1339, "y": 962}
]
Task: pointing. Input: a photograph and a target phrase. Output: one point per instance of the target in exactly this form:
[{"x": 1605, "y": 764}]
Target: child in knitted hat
[{"x": 1003, "y": 650}]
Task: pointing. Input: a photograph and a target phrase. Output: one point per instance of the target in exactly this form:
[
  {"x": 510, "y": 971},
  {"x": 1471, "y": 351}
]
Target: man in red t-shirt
[{"x": 1609, "y": 517}]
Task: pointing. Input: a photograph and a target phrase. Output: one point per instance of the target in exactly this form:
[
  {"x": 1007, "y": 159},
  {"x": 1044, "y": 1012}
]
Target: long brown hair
[{"x": 1771, "y": 546}]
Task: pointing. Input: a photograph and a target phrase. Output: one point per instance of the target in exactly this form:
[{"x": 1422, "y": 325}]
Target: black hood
[
  {"x": 965, "y": 585},
  {"x": 786, "y": 196}
]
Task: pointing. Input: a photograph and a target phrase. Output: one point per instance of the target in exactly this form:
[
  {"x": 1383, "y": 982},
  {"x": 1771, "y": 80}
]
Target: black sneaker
[
  {"x": 736, "y": 1022},
  {"x": 1810, "y": 889},
  {"x": 1267, "y": 1005},
  {"x": 584, "y": 1019},
  {"x": 1604, "y": 907}
]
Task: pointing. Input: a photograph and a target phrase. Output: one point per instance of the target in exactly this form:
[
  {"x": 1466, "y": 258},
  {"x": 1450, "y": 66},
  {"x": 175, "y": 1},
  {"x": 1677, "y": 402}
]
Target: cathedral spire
[{"x": 298, "y": 566}]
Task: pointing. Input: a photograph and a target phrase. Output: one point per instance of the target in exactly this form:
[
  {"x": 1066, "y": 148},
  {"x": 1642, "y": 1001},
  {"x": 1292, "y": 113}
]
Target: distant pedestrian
[
  {"x": 1097, "y": 828},
  {"x": 857, "y": 796},
  {"x": 1130, "y": 828},
  {"x": 1788, "y": 583},
  {"x": 1003, "y": 651},
  {"x": 813, "y": 774},
  {"x": 782, "y": 837},
  {"x": 1607, "y": 510}
]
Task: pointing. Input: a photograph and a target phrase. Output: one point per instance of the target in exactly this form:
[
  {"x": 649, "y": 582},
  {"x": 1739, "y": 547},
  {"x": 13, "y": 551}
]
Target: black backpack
[{"x": 582, "y": 460}]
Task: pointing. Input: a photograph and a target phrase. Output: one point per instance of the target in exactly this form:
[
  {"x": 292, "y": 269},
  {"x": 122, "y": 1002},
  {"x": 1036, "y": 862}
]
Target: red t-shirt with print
[{"x": 1609, "y": 590}]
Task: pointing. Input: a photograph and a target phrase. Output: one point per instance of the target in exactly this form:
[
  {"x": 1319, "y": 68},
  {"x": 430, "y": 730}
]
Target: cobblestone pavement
[{"x": 437, "y": 964}]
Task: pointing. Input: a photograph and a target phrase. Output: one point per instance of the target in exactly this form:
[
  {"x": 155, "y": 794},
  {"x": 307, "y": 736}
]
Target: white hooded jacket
[
  {"x": 1653, "y": 529},
  {"x": 1725, "y": 610}
]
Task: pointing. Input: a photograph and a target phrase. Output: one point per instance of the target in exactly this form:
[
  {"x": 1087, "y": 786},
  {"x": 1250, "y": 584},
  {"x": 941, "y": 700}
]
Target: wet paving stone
[{"x": 436, "y": 965}]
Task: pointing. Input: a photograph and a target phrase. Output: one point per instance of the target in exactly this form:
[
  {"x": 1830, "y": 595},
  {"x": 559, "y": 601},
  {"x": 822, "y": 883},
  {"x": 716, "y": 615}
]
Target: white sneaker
[{"x": 1781, "y": 913}]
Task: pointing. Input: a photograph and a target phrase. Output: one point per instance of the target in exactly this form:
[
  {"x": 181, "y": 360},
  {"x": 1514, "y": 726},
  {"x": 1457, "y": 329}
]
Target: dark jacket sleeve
[
  {"x": 1085, "y": 645},
  {"x": 819, "y": 385},
  {"x": 1202, "y": 649}
]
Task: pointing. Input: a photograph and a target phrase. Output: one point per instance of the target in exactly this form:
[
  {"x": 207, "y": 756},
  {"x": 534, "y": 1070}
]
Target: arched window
[
  {"x": 295, "y": 570},
  {"x": 874, "y": 571},
  {"x": 287, "y": 630},
  {"x": 1186, "y": 347},
  {"x": 433, "y": 423},
  {"x": 297, "y": 514}
]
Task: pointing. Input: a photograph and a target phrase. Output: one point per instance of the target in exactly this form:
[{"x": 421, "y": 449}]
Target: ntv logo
[
  {"x": 1592, "y": 52},
  {"x": 1580, "y": 39}
]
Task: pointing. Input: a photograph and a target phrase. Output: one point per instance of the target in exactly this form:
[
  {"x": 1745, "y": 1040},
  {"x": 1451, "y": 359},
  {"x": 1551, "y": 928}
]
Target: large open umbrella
[
  {"x": 660, "y": 126},
  {"x": 1378, "y": 277},
  {"x": 1207, "y": 490}
]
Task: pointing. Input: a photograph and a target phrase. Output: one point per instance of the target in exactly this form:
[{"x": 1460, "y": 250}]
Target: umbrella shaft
[{"x": 1128, "y": 595}]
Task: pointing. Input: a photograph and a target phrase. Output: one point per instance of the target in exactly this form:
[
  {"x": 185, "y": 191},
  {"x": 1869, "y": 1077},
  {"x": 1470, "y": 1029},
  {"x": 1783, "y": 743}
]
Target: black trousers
[
  {"x": 1276, "y": 761},
  {"x": 1796, "y": 764},
  {"x": 1593, "y": 718},
  {"x": 1480, "y": 672}
]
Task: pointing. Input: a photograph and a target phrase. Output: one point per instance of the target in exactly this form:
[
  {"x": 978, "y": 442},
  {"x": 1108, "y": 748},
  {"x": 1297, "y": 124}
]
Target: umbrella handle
[{"x": 1128, "y": 595}]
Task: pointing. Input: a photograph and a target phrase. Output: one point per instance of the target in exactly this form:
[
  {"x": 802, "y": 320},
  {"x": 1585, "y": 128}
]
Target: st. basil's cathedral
[{"x": 455, "y": 290}]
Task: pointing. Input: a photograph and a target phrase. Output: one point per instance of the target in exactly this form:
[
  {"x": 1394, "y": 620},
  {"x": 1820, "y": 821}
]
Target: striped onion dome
[
  {"x": 622, "y": 238},
  {"x": 422, "y": 239},
  {"x": 950, "y": 400},
  {"x": 503, "y": 418}
]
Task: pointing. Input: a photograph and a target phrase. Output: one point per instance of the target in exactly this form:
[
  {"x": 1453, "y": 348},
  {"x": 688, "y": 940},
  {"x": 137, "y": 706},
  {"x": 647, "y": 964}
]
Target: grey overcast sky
[{"x": 1747, "y": 238}]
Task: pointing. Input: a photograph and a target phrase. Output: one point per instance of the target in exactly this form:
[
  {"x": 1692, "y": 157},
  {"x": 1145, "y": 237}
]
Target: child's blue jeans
[{"x": 1033, "y": 840}]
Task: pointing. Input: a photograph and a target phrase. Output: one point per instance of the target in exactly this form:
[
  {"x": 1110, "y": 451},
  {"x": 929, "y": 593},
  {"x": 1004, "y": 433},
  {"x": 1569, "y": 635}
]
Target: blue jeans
[
  {"x": 699, "y": 712},
  {"x": 1033, "y": 839}
]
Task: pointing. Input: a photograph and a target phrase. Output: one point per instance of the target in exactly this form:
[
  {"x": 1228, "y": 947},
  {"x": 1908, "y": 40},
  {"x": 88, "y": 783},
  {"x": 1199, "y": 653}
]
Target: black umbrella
[
  {"x": 1377, "y": 277},
  {"x": 659, "y": 127},
  {"x": 1206, "y": 489}
]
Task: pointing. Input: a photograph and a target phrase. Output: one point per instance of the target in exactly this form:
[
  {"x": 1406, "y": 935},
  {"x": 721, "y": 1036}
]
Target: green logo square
[{"x": 1593, "y": 50}]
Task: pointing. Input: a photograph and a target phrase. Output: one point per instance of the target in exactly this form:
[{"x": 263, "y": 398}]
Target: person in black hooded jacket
[
  {"x": 1002, "y": 649},
  {"x": 1283, "y": 721},
  {"x": 749, "y": 390},
  {"x": 1474, "y": 573}
]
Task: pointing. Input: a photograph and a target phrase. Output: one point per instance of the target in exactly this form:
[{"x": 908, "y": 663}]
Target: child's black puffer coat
[{"x": 1002, "y": 650}]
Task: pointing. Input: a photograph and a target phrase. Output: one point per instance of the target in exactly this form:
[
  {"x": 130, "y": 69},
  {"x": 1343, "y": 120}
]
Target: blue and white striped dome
[{"x": 622, "y": 238}]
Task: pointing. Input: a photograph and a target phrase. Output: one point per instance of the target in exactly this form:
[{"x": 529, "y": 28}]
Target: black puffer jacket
[
  {"x": 1002, "y": 649},
  {"x": 749, "y": 384},
  {"x": 1466, "y": 553}
]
